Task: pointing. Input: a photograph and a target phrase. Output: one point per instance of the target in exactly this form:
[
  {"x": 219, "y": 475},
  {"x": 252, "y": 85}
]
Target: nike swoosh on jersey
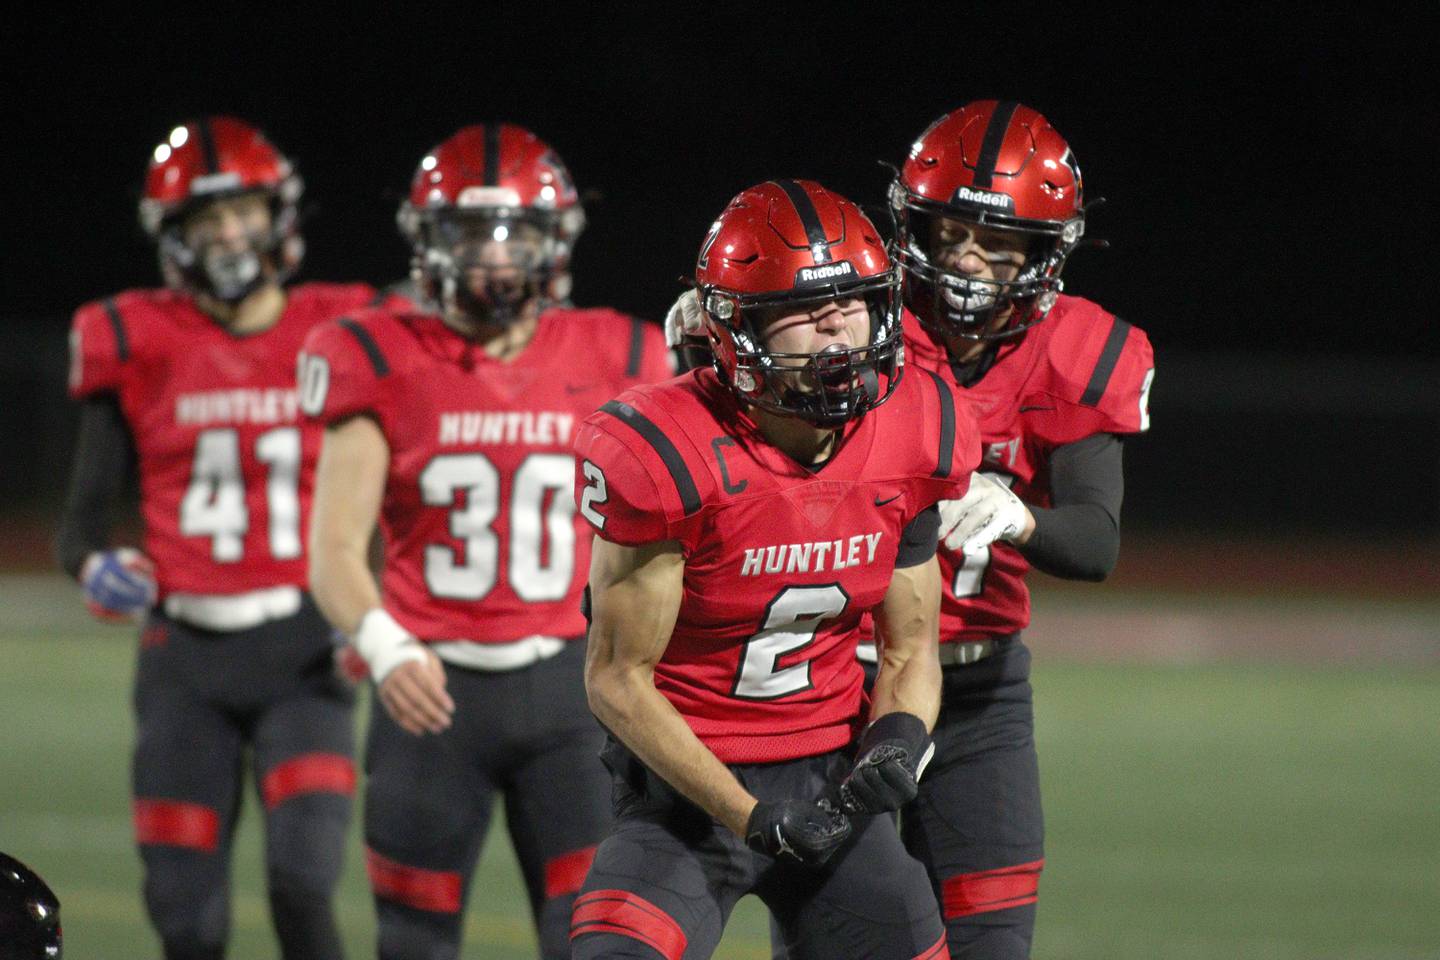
[
  {"x": 1026, "y": 409},
  {"x": 881, "y": 503}
]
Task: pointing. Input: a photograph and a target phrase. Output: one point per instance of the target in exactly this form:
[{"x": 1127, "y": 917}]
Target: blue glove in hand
[{"x": 118, "y": 584}]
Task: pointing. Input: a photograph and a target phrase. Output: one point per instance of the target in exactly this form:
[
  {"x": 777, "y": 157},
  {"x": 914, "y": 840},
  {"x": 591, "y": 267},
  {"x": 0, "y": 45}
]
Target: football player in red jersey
[
  {"x": 194, "y": 384},
  {"x": 989, "y": 205},
  {"x": 454, "y": 429},
  {"x": 748, "y": 516}
]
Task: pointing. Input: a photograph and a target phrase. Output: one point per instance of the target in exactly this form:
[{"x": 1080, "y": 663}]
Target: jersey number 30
[{"x": 541, "y": 509}]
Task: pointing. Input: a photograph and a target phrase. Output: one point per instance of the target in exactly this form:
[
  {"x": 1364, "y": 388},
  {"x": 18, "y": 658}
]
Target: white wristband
[{"x": 385, "y": 644}]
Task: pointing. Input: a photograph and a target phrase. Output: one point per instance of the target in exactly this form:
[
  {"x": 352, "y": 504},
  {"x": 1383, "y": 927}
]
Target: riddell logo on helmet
[
  {"x": 824, "y": 274},
  {"x": 1000, "y": 201}
]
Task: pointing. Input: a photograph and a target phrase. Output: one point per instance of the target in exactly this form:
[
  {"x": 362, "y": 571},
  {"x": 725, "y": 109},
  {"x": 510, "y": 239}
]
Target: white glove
[
  {"x": 684, "y": 319},
  {"x": 988, "y": 512},
  {"x": 385, "y": 644}
]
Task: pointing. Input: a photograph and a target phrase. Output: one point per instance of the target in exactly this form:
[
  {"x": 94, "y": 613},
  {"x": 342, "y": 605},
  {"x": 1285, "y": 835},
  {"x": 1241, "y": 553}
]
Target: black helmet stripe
[
  {"x": 492, "y": 154},
  {"x": 994, "y": 140},
  {"x": 809, "y": 218},
  {"x": 207, "y": 145}
]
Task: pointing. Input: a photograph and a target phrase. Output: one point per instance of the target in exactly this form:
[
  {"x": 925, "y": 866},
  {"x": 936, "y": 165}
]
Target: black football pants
[
  {"x": 977, "y": 824},
  {"x": 207, "y": 705},
  {"x": 527, "y": 733},
  {"x": 668, "y": 875}
]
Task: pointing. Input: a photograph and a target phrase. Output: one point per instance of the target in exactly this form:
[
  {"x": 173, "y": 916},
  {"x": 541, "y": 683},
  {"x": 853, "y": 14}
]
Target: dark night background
[{"x": 1269, "y": 208}]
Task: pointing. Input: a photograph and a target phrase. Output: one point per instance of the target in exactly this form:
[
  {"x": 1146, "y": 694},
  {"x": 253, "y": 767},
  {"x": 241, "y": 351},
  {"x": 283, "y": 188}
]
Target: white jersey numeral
[
  {"x": 970, "y": 575},
  {"x": 214, "y": 502},
  {"x": 542, "y": 530},
  {"x": 790, "y": 624},
  {"x": 313, "y": 379},
  {"x": 542, "y": 491},
  {"x": 594, "y": 494}
]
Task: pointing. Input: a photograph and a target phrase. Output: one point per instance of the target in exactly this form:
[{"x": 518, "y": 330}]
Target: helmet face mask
[
  {"x": 826, "y": 387},
  {"x": 227, "y": 246},
  {"x": 203, "y": 172},
  {"x": 1012, "y": 292},
  {"x": 995, "y": 179},
  {"x": 492, "y": 217},
  {"x": 756, "y": 277},
  {"x": 487, "y": 263}
]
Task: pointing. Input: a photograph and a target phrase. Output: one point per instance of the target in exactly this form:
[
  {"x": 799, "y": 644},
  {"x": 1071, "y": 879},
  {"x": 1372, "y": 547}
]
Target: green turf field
[{"x": 1194, "y": 811}]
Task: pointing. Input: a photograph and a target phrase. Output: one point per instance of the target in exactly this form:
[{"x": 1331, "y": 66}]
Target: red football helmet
[
  {"x": 999, "y": 164},
  {"x": 790, "y": 243},
  {"x": 209, "y": 159},
  {"x": 492, "y": 182}
]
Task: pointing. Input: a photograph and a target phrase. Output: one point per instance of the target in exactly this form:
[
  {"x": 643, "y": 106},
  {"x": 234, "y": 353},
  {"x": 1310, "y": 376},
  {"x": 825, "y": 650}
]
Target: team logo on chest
[{"x": 817, "y": 556}]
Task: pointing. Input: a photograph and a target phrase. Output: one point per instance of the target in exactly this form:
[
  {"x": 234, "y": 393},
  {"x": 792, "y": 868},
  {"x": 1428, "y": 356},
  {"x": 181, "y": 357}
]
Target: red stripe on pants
[
  {"x": 437, "y": 891},
  {"x": 624, "y": 913},
  {"x": 940, "y": 951},
  {"x": 565, "y": 874},
  {"x": 308, "y": 773},
  {"x": 988, "y": 890},
  {"x": 171, "y": 823}
]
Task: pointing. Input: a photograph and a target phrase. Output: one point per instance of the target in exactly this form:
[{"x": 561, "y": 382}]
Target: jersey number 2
[{"x": 790, "y": 624}]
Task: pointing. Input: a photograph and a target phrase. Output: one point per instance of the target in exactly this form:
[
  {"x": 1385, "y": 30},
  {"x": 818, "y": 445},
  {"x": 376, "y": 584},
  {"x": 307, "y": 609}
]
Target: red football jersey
[
  {"x": 226, "y": 465},
  {"x": 1080, "y": 372},
  {"x": 781, "y": 561},
  {"x": 481, "y": 538}
]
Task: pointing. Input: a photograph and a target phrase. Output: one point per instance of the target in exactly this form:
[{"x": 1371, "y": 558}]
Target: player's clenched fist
[
  {"x": 893, "y": 753},
  {"x": 118, "y": 584},
  {"x": 806, "y": 831}
]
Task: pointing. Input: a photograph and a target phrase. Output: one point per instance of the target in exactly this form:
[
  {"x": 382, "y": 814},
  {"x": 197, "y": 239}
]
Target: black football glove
[
  {"x": 804, "y": 831},
  {"x": 893, "y": 752}
]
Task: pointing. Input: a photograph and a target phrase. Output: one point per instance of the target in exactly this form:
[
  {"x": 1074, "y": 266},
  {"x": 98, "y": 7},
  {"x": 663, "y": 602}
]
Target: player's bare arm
[
  {"x": 908, "y": 622},
  {"x": 896, "y": 746},
  {"x": 635, "y": 595},
  {"x": 349, "y": 484}
]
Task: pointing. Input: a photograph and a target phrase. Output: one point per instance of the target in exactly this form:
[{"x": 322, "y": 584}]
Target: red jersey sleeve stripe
[
  {"x": 308, "y": 773},
  {"x": 653, "y": 435},
  {"x": 985, "y": 891},
  {"x": 565, "y": 874},
  {"x": 940, "y": 951},
  {"x": 947, "y": 425},
  {"x": 172, "y": 823},
  {"x": 637, "y": 347},
  {"x": 628, "y": 915},
  {"x": 1105, "y": 366},
  {"x": 122, "y": 345},
  {"x": 435, "y": 891},
  {"x": 368, "y": 344}
]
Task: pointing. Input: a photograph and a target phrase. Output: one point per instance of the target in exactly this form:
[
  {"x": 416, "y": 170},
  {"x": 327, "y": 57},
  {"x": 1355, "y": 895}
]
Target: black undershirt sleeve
[
  {"x": 920, "y": 538},
  {"x": 1079, "y": 537},
  {"x": 104, "y": 460}
]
